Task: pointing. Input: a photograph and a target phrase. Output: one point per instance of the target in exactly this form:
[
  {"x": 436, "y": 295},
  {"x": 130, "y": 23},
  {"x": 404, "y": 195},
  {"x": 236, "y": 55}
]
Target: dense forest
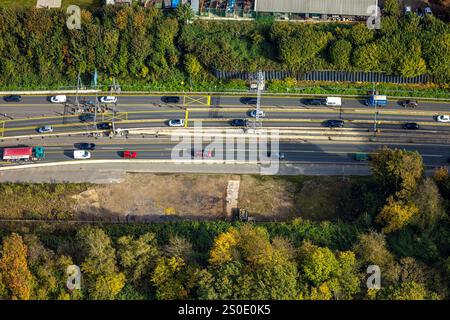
[
  {"x": 138, "y": 45},
  {"x": 403, "y": 228}
]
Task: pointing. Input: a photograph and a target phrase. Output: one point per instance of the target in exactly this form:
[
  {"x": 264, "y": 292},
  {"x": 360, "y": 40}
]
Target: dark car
[
  {"x": 170, "y": 99},
  {"x": 87, "y": 117},
  {"x": 334, "y": 123},
  {"x": 238, "y": 122},
  {"x": 411, "y": 126},
  {"x": 312, "y": 102},
  {"x": 85, "y": 146},
  {"x": 103, "y": 126},
  {"x": 13, "y": 98},
  {"x": 249, "y": 100},
  {"x": 410, "y": 104}
]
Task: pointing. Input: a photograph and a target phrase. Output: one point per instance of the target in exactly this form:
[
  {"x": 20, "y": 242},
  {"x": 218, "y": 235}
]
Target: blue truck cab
[{"x": 376, "y": 100}]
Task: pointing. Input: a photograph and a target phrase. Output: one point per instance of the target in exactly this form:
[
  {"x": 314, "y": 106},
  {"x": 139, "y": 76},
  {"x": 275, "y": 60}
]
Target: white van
[
  {"x": 58, "y": 99},
  {"x": 81, "y": 154},
  {"x": 333, "y": 101}
]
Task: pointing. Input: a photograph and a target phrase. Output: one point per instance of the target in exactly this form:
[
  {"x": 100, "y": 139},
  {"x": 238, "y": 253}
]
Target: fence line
[{"x": 327, "y": 75}]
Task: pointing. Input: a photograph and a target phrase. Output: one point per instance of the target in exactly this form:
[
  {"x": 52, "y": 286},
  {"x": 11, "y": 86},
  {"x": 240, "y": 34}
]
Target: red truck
[{"x": 23, "y": 153}]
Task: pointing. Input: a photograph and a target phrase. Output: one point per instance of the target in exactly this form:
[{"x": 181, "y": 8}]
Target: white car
[
  {"x": 58, "y": 99},
  {"x": 176, "y": 123},
  {"x": 408, "y": 10},
  {"x": 108, "y": 99},
  {"x": 259, "y": 112},
  {"x": 45, "y": 129},
  {"x": 81, "y": 154},
  {"x": 443, "y": 118}
]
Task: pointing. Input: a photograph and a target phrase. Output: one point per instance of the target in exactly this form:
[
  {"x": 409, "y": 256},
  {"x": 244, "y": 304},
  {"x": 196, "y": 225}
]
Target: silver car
[{"x": 45, "y": 129}]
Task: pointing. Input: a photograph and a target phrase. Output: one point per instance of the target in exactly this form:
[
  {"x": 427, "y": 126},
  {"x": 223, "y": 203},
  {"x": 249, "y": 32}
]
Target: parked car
[
  {"x": 108, "y": 99},
  {"x": 334, "y": 123},
  {"x": 249, "y": 100},
  {"x": 443, "y": 118},
  {"x": 176, "y": 123},
  {"x": 238, "y": 122},
  {"x": 410, "y": 104},
  {"x": 170, "y": 99},
  {"x": 408, "y": 10},
  {"x": 313, "y": 102},
  {"x": 13, "y": 98},
  {"x": 427, "y": 10},
  {"x": 81, "y": 154},
  {"x": 58, "y": 99},
  {"x": 87, "y": 117},
  {"x": 419, "y": 12},
  {"x": 260, "y": 113},
  {"x": 45, "y": 129},
  {"x": 411, "y": 126},
  {"x": 104, "y": 126},
  {"x": 129, "y": 154},
  {"x": 85, "y": 146}
]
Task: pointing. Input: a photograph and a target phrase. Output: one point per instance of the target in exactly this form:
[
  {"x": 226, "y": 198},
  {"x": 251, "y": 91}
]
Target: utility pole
[
  {"x": 257, "y": 121},
  {"x": 376, "y": 111}
]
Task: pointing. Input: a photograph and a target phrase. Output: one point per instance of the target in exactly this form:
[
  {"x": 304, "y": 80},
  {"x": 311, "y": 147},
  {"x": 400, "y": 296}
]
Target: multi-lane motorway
[{"x": 23, "y": 119}]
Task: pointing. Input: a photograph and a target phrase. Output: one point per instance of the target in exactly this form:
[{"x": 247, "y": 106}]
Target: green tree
[
  {"x": 371, "y": 249},
  {"x": 396, "y": 214},
  {"x": 340, "y": 53},
  {"x": 404, "y": 291},
  {"x": 137, "y": 256},
  {"x": 367, "y": 57},
  {"x": 360, "y": 34},
  {"x": 392, "y": 8},
  {"x": 192, "y": 66},
  {"x": 429, "y": 202},
  {"x": 397, "y": 170},
  {"x": 99, "y": 264}
]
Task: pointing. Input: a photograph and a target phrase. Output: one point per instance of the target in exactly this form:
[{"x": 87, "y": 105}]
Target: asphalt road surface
[{"x": 295, "y": 152}]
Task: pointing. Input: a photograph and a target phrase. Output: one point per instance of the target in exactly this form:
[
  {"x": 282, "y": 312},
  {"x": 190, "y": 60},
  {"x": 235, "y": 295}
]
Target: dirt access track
[{"x": 162, "y": 197}]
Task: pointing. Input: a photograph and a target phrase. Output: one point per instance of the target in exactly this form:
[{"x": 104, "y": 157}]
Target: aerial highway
[{"x": 22, "y": 119}]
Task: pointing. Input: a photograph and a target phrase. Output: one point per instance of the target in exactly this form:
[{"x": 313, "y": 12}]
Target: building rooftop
[{"x": 338, "y": 7}]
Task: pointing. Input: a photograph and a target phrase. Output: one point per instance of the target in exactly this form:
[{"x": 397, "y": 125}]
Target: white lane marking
[
  {"x": 110, "y": 148},
  {"x": 432, "y": 155}
]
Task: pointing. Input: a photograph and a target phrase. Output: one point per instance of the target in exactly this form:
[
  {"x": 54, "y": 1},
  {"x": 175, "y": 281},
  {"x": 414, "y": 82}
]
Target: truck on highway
[
  {"x": 23, "y": 153},
  {"x": 376, "y": 100},
  {"x": 333, "y": 101}
]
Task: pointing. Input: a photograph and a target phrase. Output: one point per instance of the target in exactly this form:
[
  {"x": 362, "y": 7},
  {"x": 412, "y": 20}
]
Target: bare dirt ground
[{"x": 153, "y": 196}]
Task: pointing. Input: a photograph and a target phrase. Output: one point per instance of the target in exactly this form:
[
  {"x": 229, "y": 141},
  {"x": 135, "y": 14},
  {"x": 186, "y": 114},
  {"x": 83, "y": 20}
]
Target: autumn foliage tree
[{"x": 15, "y": 276}]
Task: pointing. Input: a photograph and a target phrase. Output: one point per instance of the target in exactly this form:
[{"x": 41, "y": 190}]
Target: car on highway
[
  {"x": 58, "y": 99},
  {"x": 312, "y": 102},
  {"x": 443, "y": 118},
  {"x": 176, "y": 123},
  {"x": 334, "y": 123},
  {"x": 81, "y": 154},
  {"x": 85, "y": 146},
  {"x": 238, "y": 122},
  {"x": 108, "y": 99},
  {"x": 260, "y": 113},
  {"x": 170, "y": 99},
  {"x": 45, "y": 129},
  {"x": 249, "y": 100},
  {"x": 409, "y": 104},
  {"x": 87, "y": 117},
  {"x": 411, "y": 126},
  {"x": 129, "y": 154},
  {"x": 13, "y": 98},
  {"x": 104, "y": 126},
  {"x": 203, "y": 154}
]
